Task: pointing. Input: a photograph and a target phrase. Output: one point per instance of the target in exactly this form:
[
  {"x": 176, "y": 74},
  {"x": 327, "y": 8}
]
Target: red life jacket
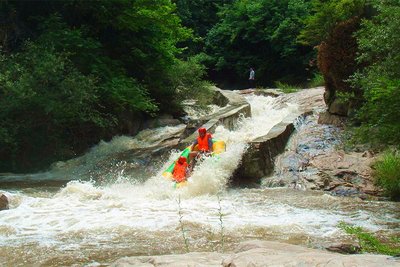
[
  {"x": 202, "y": 143},
  {"x": 179, "y": 172}
]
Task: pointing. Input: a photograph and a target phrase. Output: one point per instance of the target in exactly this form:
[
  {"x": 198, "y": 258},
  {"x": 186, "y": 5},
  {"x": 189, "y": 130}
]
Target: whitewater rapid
[{"x": 86, "y": 221}]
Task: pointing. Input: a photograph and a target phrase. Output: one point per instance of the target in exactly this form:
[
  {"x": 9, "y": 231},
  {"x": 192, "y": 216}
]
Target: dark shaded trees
[{"x": 262, "y": 34}]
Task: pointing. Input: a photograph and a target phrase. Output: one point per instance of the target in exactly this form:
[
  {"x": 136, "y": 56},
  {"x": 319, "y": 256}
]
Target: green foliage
[
  {"x": 379, "y": 114},
  {"x": 387, "y": 173},
  {"x": 316, "y": 80},
  {"x": 325, "y": 16},
  {"x": 127, "y": 93},
  {"x": 200, "y": 16},
  {"x": 87, "y": 67},
  {"x": 370, "y": 243},
  {"x": 260, "y": 34},
  {"x": 42, "y": 95},
  {"x": 379, "y": 42},
  {"x": 286, "y": 88},
  {"x": 186, "y": 78}
]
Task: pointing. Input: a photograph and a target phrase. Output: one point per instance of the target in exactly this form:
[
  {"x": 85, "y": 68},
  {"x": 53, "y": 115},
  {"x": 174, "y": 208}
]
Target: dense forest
[{"x": 75, "y": 72}]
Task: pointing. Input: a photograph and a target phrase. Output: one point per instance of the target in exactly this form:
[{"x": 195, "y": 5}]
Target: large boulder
[{"x": 258, "y": 160}]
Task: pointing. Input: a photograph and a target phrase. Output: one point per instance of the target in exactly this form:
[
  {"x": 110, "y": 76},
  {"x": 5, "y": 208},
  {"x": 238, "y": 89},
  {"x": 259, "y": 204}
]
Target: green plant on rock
[
  {"x": 370, "y": 243},
  {"x": 287, "y": 88},
  {"x": 186, "y": 77},
  {"x": 387, "y": 173}
]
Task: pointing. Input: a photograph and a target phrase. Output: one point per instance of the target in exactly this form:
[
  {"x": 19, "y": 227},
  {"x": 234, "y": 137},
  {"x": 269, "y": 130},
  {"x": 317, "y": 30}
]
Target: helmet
[
  {"x": 202, "y": 130},
  {"x": 181, "y": 160}
]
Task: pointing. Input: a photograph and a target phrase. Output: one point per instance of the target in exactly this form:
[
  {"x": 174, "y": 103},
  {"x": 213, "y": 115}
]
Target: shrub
[
  {"x": 186, "y": 80},
  {"x": 44, "y": 101},
  {"x": 379, "y": 42},
  {"x": 317, "y": 80},
  {"x": 387, "y": 173}
]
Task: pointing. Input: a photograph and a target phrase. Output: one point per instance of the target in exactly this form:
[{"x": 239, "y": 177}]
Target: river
[{"x": 89, "y": 220}]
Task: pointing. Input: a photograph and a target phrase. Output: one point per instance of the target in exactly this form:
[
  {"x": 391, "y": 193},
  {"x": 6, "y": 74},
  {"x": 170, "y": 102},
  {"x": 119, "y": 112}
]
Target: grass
[
  {"x": 287, "y": 88},
  {"x": 387, "y": 173},
  {"x": 370, "y": 243},
  {"x": 317, "y": 80}
]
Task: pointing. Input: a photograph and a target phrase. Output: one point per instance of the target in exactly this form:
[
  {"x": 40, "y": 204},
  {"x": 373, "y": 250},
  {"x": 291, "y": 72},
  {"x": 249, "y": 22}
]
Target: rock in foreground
[{"x": 261, "y": 253}]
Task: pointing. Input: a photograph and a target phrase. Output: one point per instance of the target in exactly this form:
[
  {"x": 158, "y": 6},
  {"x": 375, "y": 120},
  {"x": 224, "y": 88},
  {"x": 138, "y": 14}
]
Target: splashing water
[{"x": 84, "y": 222}]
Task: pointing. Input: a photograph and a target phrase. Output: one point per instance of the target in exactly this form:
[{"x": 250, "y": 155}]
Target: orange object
[
  {"x": 179, "y": 172},
  {"x": 202, "y": 142},
  {"x": 202, "y": 130}
]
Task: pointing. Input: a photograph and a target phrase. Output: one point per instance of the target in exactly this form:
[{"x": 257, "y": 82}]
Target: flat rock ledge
[{"x": 261, "y": 253}]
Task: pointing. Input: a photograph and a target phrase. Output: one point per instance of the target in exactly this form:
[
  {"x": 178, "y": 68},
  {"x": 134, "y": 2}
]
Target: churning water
[{"x": 88, "y": 223}]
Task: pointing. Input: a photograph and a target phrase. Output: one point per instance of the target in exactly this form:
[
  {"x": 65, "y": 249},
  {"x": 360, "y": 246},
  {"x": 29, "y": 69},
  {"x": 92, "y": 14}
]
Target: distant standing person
[{"x": 252, "y": 78}]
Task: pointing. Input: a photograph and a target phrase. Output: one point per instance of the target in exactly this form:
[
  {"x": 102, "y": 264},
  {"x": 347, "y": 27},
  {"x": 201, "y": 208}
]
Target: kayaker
[
  {"x": 204, "y": 145},
  {"x": 180, "y": 170}
]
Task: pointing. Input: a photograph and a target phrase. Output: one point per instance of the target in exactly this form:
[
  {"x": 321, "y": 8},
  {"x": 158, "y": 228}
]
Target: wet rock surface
[
  {"x": 258, "y": 160},
  {"x": 315, "y": 159}
]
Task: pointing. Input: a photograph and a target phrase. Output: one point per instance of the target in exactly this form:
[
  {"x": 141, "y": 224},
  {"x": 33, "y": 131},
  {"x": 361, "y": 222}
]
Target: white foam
[{"x": 83, "y": 207}]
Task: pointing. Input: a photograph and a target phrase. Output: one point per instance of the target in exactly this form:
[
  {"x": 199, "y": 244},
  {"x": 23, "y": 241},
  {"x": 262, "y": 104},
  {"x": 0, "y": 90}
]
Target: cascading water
[{"x": 90, "y": 222}]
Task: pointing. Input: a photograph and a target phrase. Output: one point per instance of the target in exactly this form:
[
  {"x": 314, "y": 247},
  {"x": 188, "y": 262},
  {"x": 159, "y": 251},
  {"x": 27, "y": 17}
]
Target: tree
[
  {"x": 262, "y": 34},
  {"x": 379, "y": 46}
]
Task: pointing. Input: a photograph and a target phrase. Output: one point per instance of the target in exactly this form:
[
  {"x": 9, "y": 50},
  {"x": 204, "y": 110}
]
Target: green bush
[
  {"x": 126, "y": 93},
  {"x": 186, "y": 79},
  {"x": 44, "y": 102},
  {"x": 387, "y": 173},
  {"x": 379, "y": 51},
  {"x": 317, "y": 80}
]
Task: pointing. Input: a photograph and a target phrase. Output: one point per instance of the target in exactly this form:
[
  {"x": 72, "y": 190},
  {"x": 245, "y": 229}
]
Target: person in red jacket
[
  {"x": 180, "y": 171},
  {"x": 204, "y": 145}
]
